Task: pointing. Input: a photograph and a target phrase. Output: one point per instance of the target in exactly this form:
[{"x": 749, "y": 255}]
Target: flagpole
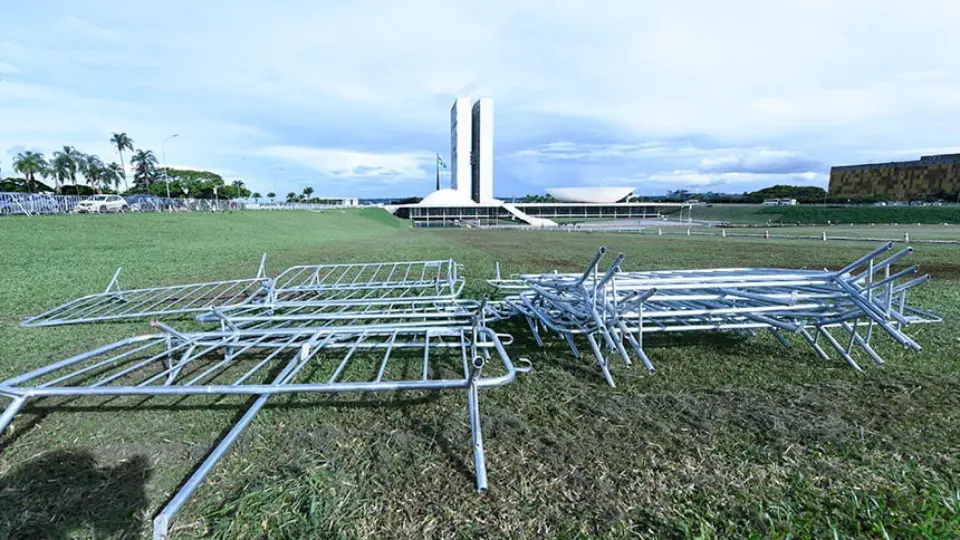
[{"x": 439, "y": 164}]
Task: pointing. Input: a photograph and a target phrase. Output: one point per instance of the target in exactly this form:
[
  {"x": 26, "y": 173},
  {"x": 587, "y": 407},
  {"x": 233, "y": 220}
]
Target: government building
[{"x": 937, "y": 176}]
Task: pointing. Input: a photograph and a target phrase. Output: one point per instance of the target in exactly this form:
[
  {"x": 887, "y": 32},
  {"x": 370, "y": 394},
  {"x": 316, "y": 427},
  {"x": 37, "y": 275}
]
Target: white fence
[{"x": 43, "y": 203}]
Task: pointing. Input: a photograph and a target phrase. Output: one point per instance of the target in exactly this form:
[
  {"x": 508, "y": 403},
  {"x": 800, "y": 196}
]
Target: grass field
[
  {"x": 815, "y": 214},
  {"x": 730, "y": 438},
  {"x": 930, "y": 215},
  {"x": 732, "y": 213},
  {"x": 876, "y": 232},
  {"x": 915, "y": 232}
]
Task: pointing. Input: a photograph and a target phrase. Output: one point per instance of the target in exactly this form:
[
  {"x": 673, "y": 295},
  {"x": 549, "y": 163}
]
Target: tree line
[
  {"x": 803, "y": 195},
  {"x": 66, "y": 167}
]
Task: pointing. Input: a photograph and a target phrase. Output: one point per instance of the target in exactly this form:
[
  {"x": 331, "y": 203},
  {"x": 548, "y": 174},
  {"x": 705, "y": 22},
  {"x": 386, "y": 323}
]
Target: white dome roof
[
  {"x": 446, "y": 197},
  {"x": 590, "y": 194}
]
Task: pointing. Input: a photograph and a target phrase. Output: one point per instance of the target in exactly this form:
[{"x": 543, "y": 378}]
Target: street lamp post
[
  {"x": 275, "y": 186},
  {"x": 163, "y": 154}
]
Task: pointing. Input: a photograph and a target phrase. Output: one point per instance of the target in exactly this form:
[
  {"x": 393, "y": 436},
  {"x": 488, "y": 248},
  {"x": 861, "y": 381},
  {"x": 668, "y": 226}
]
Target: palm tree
[
  {"x": 113, "y": 173},
  {"x": 65, "y": 164},
  {"x": 49, "y": 172},
  {"x": 307, "y": 192},
  {"x": 92, "y": 168},
  {"x": 291, "y": 196},
  {"x": 30, "y": 164},
  {"x": 256, "y": 196},
  {"x": 271, "y": 196},
  {"x": 122, "y": 142},
  {"x": 238, "y": 184},
  {"x": 144, "y": 167}
]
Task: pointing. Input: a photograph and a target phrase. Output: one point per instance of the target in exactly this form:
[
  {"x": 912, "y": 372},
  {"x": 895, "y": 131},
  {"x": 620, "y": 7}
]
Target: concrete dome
[
  {"x": 446, "y": 197},
  {"x": 590, "y": 194}
]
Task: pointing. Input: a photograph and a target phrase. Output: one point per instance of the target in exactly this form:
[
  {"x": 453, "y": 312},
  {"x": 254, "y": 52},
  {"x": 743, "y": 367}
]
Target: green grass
[
  {"x": 731, "y": 438},
  {"x": 733, "y": 213},
  {"x": 817, "y": 214},
  {"x": 915, "y": 232},
  {"x": 863, "y": 214}
]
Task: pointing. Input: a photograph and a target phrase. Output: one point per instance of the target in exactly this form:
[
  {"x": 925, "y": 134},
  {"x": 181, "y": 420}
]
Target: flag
[{"x": 440, "y": 162}]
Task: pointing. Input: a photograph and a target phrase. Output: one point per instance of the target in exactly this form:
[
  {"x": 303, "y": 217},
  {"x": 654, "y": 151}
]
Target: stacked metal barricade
[
  {"x": 339, "y": 328},
  {"x": 839, "y": 310}
]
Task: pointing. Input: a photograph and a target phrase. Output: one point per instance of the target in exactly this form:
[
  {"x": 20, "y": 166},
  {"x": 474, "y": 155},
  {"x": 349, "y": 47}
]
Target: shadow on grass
[
  {"x": 62, "y": 493},
  {"x": 65, "y": 491},
  {"x": 205, "y": 403}
]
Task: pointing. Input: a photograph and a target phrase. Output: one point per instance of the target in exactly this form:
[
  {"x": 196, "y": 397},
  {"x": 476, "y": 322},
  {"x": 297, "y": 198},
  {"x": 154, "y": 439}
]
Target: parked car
[{"x": 103, "y": 203}]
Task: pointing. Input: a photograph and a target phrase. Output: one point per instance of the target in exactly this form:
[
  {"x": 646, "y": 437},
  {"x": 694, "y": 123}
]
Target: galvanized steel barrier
[
  {"x": 402, "y": 326},
  {"x": 329, "y": 284},
  {"x": 34, "y": 204},
  {"x": 614, "y": 309}
]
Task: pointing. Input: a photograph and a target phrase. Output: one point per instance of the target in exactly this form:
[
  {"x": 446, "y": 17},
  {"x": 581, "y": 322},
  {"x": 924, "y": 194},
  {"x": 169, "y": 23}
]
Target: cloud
[
  {"x": 911, "y": 153},
  {"x": 568, "y": 150},
  {"x": 724, "y": 182},
  {"x": 699, "y": 166},
  {"x": 376, "y": 78},
  {"x": 716, "y": 159},
  {"x": 347, "y": 164},
  {"x": 760, "y": 161}
]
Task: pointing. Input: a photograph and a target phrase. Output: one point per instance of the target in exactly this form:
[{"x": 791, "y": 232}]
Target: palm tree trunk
[{"x": 125, "y": 186}]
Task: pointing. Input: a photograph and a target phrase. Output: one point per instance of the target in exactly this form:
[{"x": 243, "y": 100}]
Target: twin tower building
[{"x": 471, "y": 149}]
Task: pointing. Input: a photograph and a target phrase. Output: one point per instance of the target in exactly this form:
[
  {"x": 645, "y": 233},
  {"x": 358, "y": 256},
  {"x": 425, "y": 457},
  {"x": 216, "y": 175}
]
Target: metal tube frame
[
  {"x": 614, "y": 306},
  {"x": 174, "y": 363}
]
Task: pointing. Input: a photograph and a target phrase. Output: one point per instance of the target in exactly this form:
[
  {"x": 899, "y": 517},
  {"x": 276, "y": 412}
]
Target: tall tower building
[
  {"x": 481, "y": 155},
  {"x": 461, "y": 135}
]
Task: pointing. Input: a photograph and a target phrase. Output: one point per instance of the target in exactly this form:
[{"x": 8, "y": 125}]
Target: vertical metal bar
[
  {"x": 262, "y": 270},
  {"x": 12, "y": 409},
  {"x": 532, "y": 322},
  {"x": 813, "y": 343},
  {"x": 601, "y": 361},
  {"x": 783, "y": 341},
  {"x": 426, "y": 355},
  {"x": 473, "y": 407},
  {"x": 114, "y": 282},
  {"x": 853, "y": 335},
  {"x": 386, "y": 356},
  {"x": 343, "y": 363},
  {"x": 573, "y": 346},
  {"x": 161, "y": 524},
  {"x": 839, "y": 349}
]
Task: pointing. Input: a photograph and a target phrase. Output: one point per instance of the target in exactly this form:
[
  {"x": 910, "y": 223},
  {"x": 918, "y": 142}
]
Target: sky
[{"x": 353, "y": 98}]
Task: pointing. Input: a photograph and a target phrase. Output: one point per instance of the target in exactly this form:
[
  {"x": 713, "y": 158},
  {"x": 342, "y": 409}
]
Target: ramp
[{"x": 528, "y": 219}]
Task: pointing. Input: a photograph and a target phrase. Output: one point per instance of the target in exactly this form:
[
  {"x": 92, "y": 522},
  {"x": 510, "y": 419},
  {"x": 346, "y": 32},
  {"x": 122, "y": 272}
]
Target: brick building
[{"x": 938, "y": 176}]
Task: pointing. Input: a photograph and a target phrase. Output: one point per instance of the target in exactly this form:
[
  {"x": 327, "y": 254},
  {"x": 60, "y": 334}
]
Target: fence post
[
  {"x": 688, "y": 232},
  {"x": 766, "y": 234},
  {"x": 906, "y": 236},
  {"x": 659, "y": 232},
  {"x": 824, "y": 236},
  {"x": 723, "y": 233}
]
